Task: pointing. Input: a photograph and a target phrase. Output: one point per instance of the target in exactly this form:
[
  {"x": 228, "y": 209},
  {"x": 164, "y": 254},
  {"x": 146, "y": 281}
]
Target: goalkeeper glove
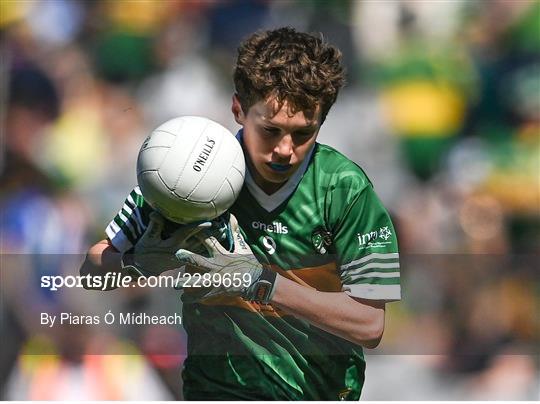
[
  {"x": 153, "y": 255},
  {"x": 257, "y": 283}
]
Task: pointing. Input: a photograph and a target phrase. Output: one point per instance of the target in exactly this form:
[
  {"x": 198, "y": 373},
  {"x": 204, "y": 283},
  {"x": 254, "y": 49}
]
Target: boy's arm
[
  {"x": 123, "y": 231},
  {"x": 358, "y": 320},
  {"x": 101, "y": 259}
]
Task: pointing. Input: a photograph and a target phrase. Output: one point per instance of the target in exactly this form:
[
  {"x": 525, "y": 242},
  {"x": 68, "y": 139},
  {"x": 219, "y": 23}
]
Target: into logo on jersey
[
  {"x": 274, "y": 227},
  {"x": 321, "y": 240},
  {"x": 384, "y": 233},
  {"x": 373, "y": 238}
]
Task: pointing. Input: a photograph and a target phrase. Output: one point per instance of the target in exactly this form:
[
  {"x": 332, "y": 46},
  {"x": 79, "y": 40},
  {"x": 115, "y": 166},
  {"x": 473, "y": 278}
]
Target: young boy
[{"x": 295, "y": 330}]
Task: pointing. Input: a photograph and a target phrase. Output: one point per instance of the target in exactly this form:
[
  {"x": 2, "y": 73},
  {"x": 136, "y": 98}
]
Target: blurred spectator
[
  {"x": 63, "y": 372},
  {"x": 27, "y": 210}
]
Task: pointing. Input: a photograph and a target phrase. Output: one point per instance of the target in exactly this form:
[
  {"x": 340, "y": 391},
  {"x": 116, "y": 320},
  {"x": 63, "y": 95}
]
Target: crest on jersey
[
  {"x": 343, "y": 394},
  {"x": 321, "y": 240}
]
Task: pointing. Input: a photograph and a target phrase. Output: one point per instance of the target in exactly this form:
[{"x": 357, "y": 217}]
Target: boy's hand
[
  {"x": 152, "y": 255},
  {"x": 236, "y": 273}
]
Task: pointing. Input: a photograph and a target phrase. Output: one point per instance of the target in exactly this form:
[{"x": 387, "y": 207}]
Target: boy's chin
[{"x": 277, "y": 178}]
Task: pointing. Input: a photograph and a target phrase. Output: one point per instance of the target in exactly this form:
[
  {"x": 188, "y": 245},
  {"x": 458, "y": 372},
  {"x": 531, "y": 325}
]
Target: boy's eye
[
  {"x": 271, "y": 131},
  {"x": 303, "y": 136}
]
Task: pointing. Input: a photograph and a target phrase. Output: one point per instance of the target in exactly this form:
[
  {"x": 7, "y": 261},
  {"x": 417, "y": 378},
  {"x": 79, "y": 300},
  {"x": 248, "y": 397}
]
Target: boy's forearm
[
  {"x": 335, "y": 312},
  {"x": 102, "y": 258}
]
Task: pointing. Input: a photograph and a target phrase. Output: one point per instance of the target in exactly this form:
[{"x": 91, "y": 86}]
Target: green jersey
[{"x": 324, "y": 229}]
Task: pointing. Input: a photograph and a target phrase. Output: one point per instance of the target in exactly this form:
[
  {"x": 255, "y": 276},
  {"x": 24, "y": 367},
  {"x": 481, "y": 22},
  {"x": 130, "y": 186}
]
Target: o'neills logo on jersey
[
  {"x": 274, "y": 227},
  {"x": 204, "y": 154}
]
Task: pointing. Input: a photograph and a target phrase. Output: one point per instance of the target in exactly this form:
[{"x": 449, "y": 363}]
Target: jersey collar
[{"x": 271, "y": 202}]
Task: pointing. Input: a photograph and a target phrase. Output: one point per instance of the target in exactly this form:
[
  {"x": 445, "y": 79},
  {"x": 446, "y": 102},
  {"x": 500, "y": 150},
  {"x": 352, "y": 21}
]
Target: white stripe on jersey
[
  {"x": 375, "y": 275},
  {"x": 138, "y": 220},
  {"x": 136, "y": 233},
  {"x": 130, "y": 200},
  {"x": 373, "y": 265},
  {"x": 383, "y": 256},
  {"x": 118, "y": 238},
  {"x": 373, "y": 292},
  {"x": 121, "y": 242},
  {"x": 114, "y": 227}
]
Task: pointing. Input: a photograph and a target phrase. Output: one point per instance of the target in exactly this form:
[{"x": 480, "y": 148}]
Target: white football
[{"x": 190, "y": 169}]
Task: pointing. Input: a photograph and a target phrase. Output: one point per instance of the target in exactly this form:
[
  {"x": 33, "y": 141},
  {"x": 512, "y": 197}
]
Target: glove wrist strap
[{"x": 262, "y": 290}]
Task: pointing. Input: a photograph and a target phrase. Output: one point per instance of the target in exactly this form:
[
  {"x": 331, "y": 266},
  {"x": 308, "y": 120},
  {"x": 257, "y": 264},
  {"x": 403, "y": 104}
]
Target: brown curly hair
[{"x": 291, "y": 66}]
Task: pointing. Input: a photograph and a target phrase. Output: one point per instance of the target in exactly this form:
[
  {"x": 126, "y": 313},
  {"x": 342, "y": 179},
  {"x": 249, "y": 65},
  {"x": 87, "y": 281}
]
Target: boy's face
[{"x": 276, "y": 142}]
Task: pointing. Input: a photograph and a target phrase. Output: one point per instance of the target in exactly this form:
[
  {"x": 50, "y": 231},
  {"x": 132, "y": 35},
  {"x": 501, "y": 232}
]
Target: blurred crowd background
[{"x": 441, "y": 109}]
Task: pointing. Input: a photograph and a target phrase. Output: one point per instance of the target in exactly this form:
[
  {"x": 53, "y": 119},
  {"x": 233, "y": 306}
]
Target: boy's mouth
[{"x": 279, "y": 167}]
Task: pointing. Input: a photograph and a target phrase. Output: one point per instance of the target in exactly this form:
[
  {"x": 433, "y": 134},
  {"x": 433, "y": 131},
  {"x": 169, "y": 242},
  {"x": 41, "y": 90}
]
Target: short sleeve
[
  {"x": 365, "y": 243},
  {"x": 130, "y": 222}
]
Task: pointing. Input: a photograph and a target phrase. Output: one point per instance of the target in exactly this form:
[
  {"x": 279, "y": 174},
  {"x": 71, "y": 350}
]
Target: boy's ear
[{"x": 237, "y": 111}]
